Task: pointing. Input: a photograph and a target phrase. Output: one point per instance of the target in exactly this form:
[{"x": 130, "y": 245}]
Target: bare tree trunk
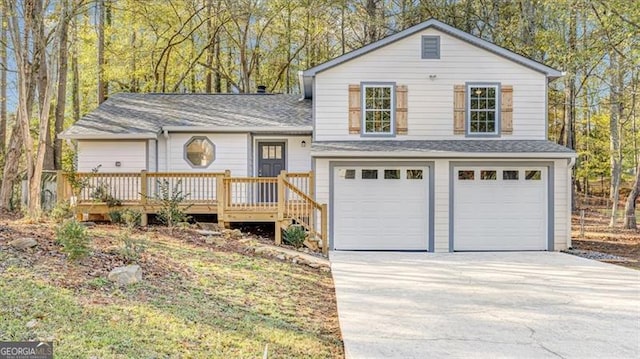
[
  {"x": 3, "y": 80},
  {"x": 217, "y": 80},
  {"x": 11, "y": 166},
  {"x": 208, "y": 82},
  {"x": 614, "y": 140},
  {"x": 75, "y": 83},
  {"x": 630, "y": 206},
  {"x": 61, "y": 97},
  {"x": 102, "y": 86}
]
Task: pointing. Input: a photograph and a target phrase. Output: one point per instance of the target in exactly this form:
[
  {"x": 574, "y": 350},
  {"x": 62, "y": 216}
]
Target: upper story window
[
  {"x": 378, "y": 107},
  {"x": 483, "y": 104},
  {"x": 430, "y": 47},
  {"x": 199, "y": 152}
]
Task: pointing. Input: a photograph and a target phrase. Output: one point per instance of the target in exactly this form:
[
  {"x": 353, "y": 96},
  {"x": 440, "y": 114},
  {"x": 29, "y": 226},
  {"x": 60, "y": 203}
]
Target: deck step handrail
[{"x": 305, "y": 211}]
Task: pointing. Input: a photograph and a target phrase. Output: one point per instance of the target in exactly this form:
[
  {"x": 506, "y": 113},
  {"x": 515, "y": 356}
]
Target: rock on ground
[
  {"x": 126, "y": 275},
  {"x": 23, "y": 243}
]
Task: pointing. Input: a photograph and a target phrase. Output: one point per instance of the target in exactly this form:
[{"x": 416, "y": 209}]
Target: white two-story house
[{"x": 430, "y": 140}]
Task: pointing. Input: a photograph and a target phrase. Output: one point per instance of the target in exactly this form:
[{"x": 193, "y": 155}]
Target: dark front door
[{"x": 271, "y": 160}]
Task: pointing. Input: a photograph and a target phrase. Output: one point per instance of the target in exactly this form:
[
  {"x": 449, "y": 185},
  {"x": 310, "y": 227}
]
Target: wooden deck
[{"x": 283, "y": 200}]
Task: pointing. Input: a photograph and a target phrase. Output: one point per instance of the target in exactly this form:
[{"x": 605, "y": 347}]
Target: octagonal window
[{"x": 199, "y": 151}]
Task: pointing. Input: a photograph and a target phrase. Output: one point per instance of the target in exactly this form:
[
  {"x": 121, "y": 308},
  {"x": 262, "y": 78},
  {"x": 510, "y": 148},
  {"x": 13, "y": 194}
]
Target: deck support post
[
  {"x": 220, "y": 196},
  {"x": 144, "y": 195},
  {"x": 325, "y": 244}
]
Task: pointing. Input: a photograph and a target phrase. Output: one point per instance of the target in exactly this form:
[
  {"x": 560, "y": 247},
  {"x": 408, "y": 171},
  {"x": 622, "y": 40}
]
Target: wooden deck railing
[
  {"x": 303, "y": 210},
  {"x": 289, "y": 196}
]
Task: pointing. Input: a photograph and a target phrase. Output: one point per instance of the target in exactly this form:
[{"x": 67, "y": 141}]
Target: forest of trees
[{"x": 61, "y": 58}]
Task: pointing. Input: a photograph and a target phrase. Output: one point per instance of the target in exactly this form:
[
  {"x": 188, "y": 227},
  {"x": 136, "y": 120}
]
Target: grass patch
[{"x": 194, "y": 302}]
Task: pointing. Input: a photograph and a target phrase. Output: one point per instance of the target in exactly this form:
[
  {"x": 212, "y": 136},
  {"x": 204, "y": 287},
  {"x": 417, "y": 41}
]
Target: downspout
[
  {"x": 156, "y": 149},
  {"x": 570, "y": 165},
  {"x": 166, "y": 150}
]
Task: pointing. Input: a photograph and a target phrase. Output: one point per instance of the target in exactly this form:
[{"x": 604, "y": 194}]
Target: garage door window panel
[
  {"x": 391, "y": 174},
  {"x": 533, "y": 175},
  {"x": 488, "y": 175},
  {"x": 466, "y": 175},
  {"x": 414, "y": 174},
  {"x": 369, "y": 174},
  {"x": 510, "y": 175}
]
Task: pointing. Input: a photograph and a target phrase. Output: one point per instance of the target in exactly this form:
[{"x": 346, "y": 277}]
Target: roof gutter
[
  {"x": 109, "y": 136},
  {"x": 415, "y": 154},
  {"x": 244, "y": 129}
]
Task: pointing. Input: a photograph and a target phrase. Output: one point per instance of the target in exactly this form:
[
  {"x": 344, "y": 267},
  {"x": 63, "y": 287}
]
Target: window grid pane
[
  {"x": 482, "y": 109},
  {"x": 378, "y": 109}
]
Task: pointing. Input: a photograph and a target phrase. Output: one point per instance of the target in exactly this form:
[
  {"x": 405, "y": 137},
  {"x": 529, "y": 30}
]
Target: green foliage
[
  {"x": 172, "y": 210},
  {"x": 131, "y": 248},
  {"x": 294, "y": 235},
  {"x": 98, "y": 282},
  {"x": 130, "y": 217},
  {"x": 73, "y": 238},
  {"x": 102, "y": 193},
  {"x": 61, "y": 212}
]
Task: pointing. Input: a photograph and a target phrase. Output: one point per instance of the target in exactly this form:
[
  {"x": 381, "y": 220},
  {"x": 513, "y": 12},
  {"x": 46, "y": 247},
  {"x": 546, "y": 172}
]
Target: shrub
[
  {"x": 171, "y": 199},
  {"x": 73, "y": 238},
  {"x": 115, "y": 216},
  {"x": 101, "y": 193},
  {"x": 132, "y": 248},
  {"x": 130, "y": 217},
  {"x": 294, "y": 235},
  {"x": 61, "y": 211}
]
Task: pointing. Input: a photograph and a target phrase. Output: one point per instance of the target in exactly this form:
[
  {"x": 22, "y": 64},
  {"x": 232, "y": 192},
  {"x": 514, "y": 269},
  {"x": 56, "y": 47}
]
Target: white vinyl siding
[
  {"x": 232, "y": 153},
  {"x": 152, "y": 153},
  {"x": 132, "y": 156},
  {"x": 430, "y": 88}
]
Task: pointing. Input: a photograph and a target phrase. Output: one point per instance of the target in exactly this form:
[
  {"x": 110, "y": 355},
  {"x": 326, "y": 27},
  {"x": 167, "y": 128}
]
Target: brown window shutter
[
  {"x": 355, "y": 118},
  {"x": 458, "y": 109},
  {"x": 506, "y": 110},
  {"x": 401, "y": 110}
]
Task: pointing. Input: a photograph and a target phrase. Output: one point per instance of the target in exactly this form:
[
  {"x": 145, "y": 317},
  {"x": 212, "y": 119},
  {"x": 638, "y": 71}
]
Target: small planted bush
[
  {"x": 131, "y": 248},
  {"x": 129, "y": 217},
  {"x": 73, "y": 238},
  {"x": 294, "y": 235},
  {"x": 171, "y": 199},
  {"x": 61, "y": 211}
]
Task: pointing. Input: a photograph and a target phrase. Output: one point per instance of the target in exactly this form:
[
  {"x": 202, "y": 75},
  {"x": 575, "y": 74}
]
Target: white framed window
[
  {"x": 483, "y": 104},
  {"x": 199, "y": 152},
  {"x": 378, "y": 109}
]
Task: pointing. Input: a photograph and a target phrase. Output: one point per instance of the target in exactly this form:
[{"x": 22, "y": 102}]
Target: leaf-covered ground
[
  {"x": 599, "y": 237},
  {"x": 197, "y": 300}
]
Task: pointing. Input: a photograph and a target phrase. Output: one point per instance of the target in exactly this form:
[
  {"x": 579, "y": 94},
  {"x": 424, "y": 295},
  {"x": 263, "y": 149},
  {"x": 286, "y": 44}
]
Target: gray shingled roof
[
  {"x": 448, "y": 146},
  {"x": 145, "y": 114}
]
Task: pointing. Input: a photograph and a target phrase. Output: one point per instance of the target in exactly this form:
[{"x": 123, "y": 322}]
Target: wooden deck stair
[{"x": 283, "y": 200}]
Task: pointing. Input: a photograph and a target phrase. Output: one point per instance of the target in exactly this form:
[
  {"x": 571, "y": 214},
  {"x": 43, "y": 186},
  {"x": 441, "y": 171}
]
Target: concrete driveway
[{"x": 485, "y": 305}]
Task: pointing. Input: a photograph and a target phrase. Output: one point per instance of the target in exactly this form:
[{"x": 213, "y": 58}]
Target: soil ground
[
  {"x": 198, "y": 298},
  {"x": 598, "y": 236}
]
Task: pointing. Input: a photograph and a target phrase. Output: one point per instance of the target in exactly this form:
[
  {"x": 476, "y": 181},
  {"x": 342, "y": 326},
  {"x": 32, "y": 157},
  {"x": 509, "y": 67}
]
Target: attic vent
[
  {"x": 430, "y": 47},
  {"x": 262, "y": 89}
]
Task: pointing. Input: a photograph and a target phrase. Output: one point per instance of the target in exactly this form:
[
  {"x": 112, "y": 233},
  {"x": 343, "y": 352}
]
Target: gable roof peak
[{"x": 550, "y": 72}]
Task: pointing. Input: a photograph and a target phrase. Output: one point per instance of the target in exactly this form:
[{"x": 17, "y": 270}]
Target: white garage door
[
  {"x": 500, "y": 208},
  {"x": 380, "y": 208}
]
